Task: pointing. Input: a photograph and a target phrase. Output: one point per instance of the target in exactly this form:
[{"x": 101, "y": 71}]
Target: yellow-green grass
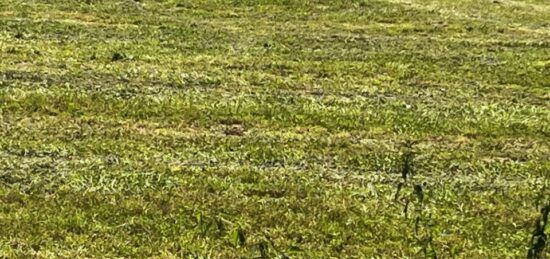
[{"x": 280, "y": 128}]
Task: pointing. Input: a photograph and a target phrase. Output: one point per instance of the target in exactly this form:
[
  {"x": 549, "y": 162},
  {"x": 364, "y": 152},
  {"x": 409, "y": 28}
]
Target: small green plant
[{"x": 539, "y": 240}]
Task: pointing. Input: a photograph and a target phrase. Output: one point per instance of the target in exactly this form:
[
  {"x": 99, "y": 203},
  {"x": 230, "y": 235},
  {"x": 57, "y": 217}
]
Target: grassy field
[{"x": 274, "y": 128}]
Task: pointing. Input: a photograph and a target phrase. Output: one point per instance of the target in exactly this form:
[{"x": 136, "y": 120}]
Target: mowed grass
[{"x": 282, "y": 128}]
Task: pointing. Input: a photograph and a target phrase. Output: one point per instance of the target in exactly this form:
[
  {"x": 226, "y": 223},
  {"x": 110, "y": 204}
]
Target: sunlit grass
[{"x": 274, "y": 128}]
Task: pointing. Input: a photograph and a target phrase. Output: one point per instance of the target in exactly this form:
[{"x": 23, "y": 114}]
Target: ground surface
[{"x": 286, "y": 127}]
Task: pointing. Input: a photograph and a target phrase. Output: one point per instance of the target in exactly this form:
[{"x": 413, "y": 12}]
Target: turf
[{"x": 281, "y": 128}]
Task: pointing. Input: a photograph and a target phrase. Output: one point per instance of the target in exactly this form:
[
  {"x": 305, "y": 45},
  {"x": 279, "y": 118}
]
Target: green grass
[{"x": 246, "y": 128}]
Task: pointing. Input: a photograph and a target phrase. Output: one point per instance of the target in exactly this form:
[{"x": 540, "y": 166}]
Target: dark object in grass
[
  {"x": 419, "y": 192},
  {"x": 407, "y": 157},
  {"x": 539, "y": 238},
  {"x": 117, "y": 57}
]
